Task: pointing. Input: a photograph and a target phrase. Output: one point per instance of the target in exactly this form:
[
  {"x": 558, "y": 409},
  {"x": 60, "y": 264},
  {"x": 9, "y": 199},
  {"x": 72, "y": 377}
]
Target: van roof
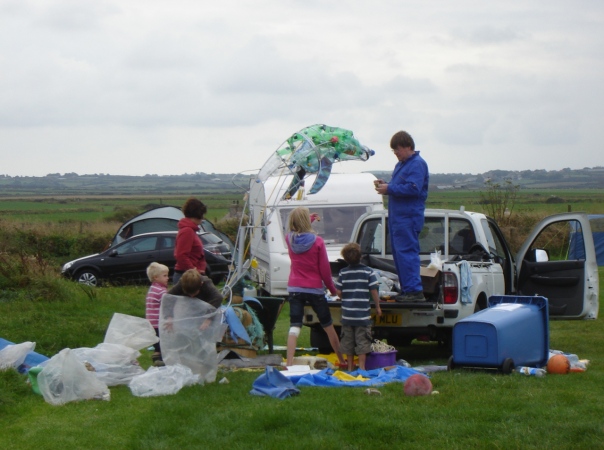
[{"x": 348, "y": 188}]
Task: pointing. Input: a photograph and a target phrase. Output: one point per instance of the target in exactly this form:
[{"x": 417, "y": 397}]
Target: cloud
[{"x": 114, "y": 87}]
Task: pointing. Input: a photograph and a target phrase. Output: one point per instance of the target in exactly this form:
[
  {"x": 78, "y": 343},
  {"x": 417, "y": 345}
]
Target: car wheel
[{"x": 88, "y": 277}]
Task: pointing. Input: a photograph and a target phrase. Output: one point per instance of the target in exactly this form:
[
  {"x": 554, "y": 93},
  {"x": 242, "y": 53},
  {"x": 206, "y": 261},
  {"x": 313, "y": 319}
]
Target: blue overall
[{"x": 407, "y": 193}]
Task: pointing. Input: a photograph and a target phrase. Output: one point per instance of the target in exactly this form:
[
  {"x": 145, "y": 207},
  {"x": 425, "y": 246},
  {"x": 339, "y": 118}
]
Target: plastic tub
[
  {"x": 513, "y": 331},
  {"x": 377, "y": 360}
]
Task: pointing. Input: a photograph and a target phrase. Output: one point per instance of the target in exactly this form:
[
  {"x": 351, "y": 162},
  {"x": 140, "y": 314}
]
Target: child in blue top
[{"x": 356, "y": 283}]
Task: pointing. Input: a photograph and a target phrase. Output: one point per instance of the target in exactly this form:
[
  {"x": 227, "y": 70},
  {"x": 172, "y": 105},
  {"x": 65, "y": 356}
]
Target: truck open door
[{"x": 551, "y": 264}]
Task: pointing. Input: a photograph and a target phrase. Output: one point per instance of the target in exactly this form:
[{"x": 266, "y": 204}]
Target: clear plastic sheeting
[
  {"x": 114, "y": 364},
  {"x": 65, "y": 378},
  {"x": 131, "y": 331},
  {"x": 12, "y": 356},
  {"x": 189, "y": 331},
  {"x": 166, "y": 380}
]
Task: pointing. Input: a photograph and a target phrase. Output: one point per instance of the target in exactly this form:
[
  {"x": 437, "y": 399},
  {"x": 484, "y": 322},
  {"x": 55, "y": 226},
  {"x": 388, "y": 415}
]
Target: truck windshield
[{"x": 335, "y": 223}]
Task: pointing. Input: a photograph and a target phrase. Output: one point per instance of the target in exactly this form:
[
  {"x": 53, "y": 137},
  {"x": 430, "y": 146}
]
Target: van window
[{"x": 335, "y": 223}]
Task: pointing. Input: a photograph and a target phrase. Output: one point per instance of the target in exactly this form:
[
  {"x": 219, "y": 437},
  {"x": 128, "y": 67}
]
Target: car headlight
[{"x": 66, "y": 266}]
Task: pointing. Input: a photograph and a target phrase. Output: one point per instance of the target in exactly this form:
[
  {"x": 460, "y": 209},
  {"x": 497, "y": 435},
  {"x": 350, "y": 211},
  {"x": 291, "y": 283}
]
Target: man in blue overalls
[{"x": 407, "y": 192}]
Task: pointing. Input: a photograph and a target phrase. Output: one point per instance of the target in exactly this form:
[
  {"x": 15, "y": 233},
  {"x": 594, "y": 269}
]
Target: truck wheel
[
  {"x": 319, "y": 339},
  {"x": 450, "y": 364},
  {"x": 508, "y": 366},
  {"x": 400, "y": 341}
]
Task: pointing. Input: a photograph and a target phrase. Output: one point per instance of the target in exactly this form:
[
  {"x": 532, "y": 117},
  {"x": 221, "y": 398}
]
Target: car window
[
  {"x": 496, "y": 244},
  {"x": 370, "y": 237},
  {"x": 461, "y": 237},
  {"x": 167, "y": 242},
  {"x": 145, "y": 244},
  {"x": 209, "y": 238},
  {"x": 562, "y": 241}
]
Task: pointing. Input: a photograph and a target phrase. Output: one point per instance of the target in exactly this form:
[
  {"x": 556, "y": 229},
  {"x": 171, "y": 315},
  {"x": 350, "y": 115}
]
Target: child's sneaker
[{"x": 157, "y": 360}]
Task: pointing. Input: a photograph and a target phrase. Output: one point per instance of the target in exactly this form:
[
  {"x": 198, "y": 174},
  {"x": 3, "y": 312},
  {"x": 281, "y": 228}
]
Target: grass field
[{"x": 472, "y": 410}]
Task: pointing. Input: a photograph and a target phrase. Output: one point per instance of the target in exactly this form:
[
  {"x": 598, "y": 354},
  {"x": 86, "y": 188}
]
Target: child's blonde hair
[
  {"x": 190, "y": 282},
  {"x": 155, "y": 269},
  {"x": 299, "y": 221}
]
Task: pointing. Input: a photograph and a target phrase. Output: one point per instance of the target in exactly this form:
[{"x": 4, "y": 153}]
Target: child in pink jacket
[{"x": 309, "y": 276}]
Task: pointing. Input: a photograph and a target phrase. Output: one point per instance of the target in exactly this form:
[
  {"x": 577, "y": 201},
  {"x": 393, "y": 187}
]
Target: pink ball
[{"x": 417, "y": 385}]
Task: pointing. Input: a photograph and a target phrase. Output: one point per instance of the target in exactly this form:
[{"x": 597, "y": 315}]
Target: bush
[
  {"x": 39, "y": 280},
  {"x": 123, "y": 213},
  {"x": 230, "y": 226}
]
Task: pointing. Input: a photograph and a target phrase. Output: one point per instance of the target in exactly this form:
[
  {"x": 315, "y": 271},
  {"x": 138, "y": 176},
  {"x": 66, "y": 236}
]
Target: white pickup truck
[{"x": 473, "y": 243}]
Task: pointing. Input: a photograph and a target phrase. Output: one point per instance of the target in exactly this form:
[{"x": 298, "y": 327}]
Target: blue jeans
[{"x": 318, "y": 302}]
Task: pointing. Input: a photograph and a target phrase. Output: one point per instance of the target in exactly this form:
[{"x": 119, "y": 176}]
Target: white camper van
[{"x": 343, "y": 199}]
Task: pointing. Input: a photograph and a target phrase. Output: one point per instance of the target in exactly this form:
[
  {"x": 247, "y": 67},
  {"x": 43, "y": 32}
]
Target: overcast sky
[{"x": 139, "y": 87}]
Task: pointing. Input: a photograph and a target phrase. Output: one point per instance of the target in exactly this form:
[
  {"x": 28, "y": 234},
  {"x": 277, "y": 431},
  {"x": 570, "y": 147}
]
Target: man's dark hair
[{"x": 402, "y": 139}]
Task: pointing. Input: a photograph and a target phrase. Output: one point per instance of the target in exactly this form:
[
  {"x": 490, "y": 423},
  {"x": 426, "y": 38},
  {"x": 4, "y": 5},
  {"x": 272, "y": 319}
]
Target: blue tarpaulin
[
  {"x": 375, "y": 377},
  {"x": 32, "y": 359},
  {"x": 277, "y": 385}
]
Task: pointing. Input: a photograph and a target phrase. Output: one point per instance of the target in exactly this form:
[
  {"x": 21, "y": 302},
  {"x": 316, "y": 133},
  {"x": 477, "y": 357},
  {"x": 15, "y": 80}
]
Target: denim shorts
[{"x": 318, "y": 302}]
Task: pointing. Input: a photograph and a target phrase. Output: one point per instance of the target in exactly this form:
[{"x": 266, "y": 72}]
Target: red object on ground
[{"x": 417, "y": 385}]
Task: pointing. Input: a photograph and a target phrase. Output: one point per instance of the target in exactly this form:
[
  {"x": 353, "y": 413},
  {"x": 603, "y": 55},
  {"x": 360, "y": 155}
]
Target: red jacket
[{"x": 188, "y": 249}]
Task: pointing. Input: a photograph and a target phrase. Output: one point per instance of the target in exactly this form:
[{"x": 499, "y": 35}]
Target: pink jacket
[{"x": 309, "y": 262}]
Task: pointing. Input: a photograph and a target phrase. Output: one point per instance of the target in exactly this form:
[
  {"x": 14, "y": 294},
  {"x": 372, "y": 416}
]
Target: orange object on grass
[{"x": 558, "y": 364}]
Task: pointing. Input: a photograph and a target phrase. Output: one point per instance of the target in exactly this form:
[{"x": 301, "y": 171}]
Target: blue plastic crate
[{"x": 512, "y": 331}]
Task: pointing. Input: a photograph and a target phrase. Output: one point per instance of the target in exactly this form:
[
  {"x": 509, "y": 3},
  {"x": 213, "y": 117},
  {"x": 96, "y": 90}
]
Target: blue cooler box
[{"x": 512, "y": 331}]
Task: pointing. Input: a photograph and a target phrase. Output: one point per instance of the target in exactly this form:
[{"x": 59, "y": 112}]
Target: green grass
[
  {"x": 472, "y": 409},
  {"x": 91, "y": 209}
]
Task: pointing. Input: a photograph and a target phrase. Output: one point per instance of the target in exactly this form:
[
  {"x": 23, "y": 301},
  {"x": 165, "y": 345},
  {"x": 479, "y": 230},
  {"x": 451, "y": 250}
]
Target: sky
[{"x": 136, "y": 87}]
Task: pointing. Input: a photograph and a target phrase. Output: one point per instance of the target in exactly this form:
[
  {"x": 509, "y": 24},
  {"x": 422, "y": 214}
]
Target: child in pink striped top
[{"x": 158, "y": 276}]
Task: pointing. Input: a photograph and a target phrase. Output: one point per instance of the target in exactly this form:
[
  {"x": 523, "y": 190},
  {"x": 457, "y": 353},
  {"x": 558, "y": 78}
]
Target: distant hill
[
  {"x": 106, "y": 184},
  {"x": 587, "y": 178}
]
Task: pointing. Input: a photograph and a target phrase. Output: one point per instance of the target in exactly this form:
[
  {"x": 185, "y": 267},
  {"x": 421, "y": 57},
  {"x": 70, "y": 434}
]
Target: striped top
[
  {"x": 355, "y": 282},
  {"x": 153, "y": 302}
]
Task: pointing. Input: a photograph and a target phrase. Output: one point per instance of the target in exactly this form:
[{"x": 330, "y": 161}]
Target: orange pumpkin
[{"x": 558, "y": 364}]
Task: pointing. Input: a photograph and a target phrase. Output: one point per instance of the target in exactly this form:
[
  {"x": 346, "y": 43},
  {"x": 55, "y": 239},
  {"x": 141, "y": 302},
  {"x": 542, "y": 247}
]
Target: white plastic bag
[
  {"x": 166, "y": 380},
  {"x": 12, "y": 356},
  {"x": 436, "y": 261},
  {"x": 64, "y": 378},
  {"x": 108, "y": 354},
  {"x": 189, "y": 330},
  {"x": 114, "y": 364},
  {"x": 131, "y": 331}
]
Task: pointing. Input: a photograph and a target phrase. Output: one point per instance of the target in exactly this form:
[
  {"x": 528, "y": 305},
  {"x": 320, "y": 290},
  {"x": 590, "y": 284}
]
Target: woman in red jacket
[
  {"x": 310, "y": 274},
  {"x": 188, "y": 250},
  {"x": 189, "y": 253}
]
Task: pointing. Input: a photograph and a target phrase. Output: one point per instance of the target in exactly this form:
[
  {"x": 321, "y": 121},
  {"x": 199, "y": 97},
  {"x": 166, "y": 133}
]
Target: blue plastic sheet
[
  {"x": 31, "y": 360},
  {"x": 375, "y": 377},
  {"x": 277, "y": 385},
  {"x": 273, "y": 384}
]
